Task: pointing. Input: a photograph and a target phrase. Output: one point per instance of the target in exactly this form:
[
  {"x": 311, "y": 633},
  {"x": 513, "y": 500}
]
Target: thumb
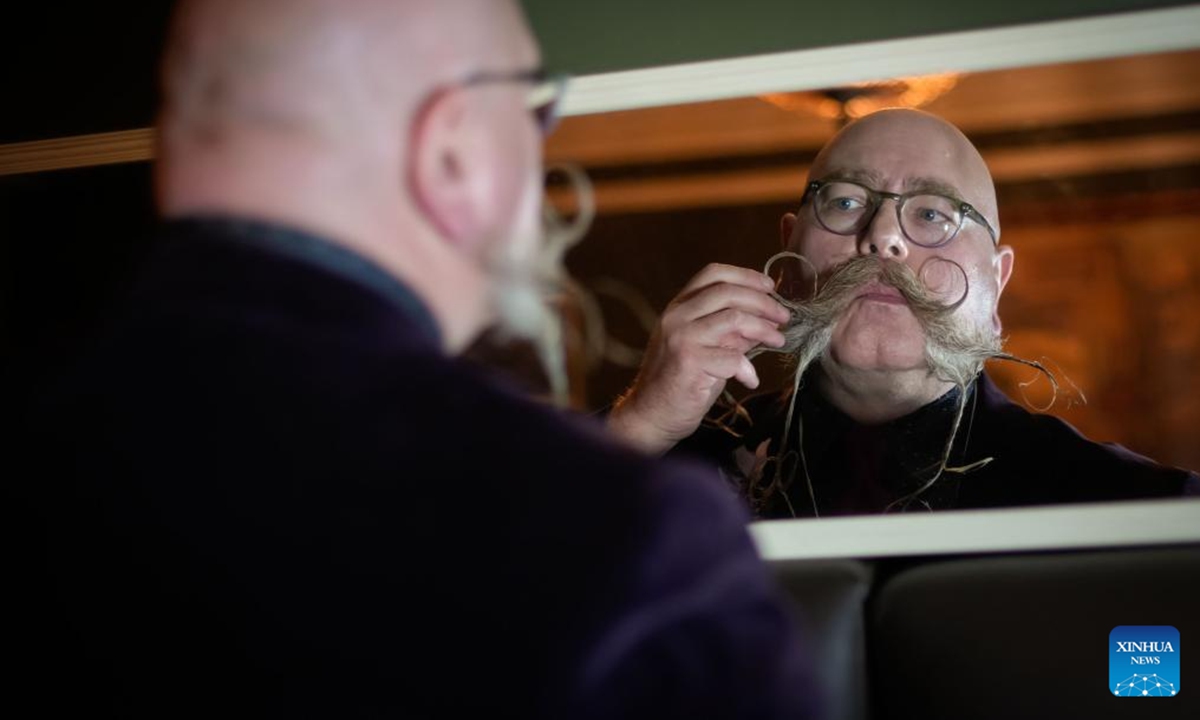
[{"x": 746, "y": 374}]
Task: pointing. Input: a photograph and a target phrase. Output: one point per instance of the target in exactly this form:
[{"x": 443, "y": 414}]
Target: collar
[
  {"x": 321, "y": 253},
  {"x": 854, "y": 465}
]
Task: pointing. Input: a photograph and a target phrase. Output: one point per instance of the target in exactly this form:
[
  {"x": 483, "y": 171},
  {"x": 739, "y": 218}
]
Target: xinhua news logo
[{"x": 1143, "y": 661}]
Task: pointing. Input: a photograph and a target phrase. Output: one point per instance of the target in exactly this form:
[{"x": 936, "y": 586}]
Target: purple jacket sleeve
[{"x": 709, "y": 633}]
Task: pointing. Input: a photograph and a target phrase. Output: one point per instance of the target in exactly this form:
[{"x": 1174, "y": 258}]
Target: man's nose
[{"x": 882, "y": 236}]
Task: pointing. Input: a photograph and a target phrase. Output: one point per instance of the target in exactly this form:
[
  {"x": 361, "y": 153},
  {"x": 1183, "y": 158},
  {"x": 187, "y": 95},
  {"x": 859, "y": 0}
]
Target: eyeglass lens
[{"x": 847, "y": 208}]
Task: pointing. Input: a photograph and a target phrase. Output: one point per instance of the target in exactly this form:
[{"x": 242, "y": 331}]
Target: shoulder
[
  {"x": 1044, "y": 458},
  {"x": 572, "y": 453}
]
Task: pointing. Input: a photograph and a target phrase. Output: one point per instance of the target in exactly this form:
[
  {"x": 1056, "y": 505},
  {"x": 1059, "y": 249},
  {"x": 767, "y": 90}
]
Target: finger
[
  {"x": 746, "y": 374},
  {"x": 715, "y": 298},
  {"x": 721, "y": 273},
  {"x": 732, "y": 329},
  {"x": 723, "y": 364}
]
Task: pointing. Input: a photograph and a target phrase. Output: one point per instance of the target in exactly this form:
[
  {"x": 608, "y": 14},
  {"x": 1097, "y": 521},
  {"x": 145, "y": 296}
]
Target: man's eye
[
  {"x": 846, "y": 204},
  {"x": 933, "y": 216}
]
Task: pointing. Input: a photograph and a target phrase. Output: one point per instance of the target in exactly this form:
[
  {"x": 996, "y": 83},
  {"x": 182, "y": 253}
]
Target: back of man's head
[{"x": 350, "y": 119}]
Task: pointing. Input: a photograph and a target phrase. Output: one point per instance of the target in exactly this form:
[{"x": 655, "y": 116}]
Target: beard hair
[
  {"x": 955, "y": 351},
  {"x": 530, "y": 279}
]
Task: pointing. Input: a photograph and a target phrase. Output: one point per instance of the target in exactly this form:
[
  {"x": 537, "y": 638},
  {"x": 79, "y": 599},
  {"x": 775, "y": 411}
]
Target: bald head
[
  {"x": 909, "y": 147},
  {"x": 336, "y": 70},
  {"x": 878, "y": 362},
  {"x": 352, "y": 120}
]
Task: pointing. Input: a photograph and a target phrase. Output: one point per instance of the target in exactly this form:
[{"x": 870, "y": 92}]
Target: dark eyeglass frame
[
  {"x": 545, "y": 93},
  {"x": 878, "y": 196}
]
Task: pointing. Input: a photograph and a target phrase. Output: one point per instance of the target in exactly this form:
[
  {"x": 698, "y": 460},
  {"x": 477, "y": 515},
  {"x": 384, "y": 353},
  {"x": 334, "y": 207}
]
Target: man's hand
[{"x": 701, "y": 341}]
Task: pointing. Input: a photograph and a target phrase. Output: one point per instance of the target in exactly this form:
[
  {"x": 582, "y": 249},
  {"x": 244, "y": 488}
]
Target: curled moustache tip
[
  {"x": 935, "y": 261},
  {"x": 788, "y": 254},
  {"x": 581, "y": 189}
]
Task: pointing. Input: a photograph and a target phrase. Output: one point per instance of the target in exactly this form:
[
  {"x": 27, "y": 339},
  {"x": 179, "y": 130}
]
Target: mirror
[{"x": 1097, "y": 167}]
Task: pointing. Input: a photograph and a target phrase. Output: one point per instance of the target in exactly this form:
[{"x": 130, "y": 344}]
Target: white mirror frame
[
  {"x": 1131, "y": 523},
  {"x": 1067, "y": 527},
  {"x": 970, "y": 51}
]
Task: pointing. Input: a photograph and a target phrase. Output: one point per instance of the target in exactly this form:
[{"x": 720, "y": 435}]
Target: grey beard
[
  {"x": 954, "y": 351},
  {"x": 528, "y": 291}
]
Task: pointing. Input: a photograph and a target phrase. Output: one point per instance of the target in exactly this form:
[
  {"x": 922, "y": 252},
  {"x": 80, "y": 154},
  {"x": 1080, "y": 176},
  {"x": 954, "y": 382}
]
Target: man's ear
[
  {"x": 440, "y": 170},
  {"x": 786, "y": 224},
  {"x": 1005, "y": 256},
  {"x": 1003, "y": 263}
]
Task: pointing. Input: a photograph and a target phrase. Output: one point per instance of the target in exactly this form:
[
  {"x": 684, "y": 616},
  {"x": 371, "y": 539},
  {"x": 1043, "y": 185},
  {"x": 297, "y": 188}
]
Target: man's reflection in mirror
[{"x": 885, "y": 301}]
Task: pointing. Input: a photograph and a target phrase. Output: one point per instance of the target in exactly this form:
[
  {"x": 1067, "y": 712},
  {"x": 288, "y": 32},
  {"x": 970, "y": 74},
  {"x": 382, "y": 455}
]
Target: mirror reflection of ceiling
[{"x": 1059, "y": 120}]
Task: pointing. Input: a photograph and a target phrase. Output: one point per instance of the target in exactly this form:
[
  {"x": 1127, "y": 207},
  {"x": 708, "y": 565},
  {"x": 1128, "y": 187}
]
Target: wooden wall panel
[{"x": 1111, "y": 306}]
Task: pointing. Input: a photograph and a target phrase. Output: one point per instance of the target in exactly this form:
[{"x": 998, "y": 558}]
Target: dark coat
[
  {"x": 1003, "y": 455},
  {"x": 267, "y": 490}
]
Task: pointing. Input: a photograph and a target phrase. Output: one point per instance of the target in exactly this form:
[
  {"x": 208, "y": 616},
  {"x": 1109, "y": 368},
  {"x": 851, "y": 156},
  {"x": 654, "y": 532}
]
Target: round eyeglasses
[
  {"x": 545, "y": 92},
  {"x": 927, "y": 219}
]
